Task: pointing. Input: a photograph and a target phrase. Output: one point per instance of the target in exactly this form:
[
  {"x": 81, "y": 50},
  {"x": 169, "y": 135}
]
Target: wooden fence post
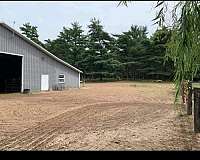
[
  {"x": 189, "y": 98},
  {"x": 197, "y": 110}
]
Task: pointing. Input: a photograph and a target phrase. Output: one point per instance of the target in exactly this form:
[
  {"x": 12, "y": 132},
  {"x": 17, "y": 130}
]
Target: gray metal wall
[{"x": 36, "y": 63}]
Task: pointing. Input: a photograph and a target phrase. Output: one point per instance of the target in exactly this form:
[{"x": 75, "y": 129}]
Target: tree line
[{"x": 131, "y": 55}]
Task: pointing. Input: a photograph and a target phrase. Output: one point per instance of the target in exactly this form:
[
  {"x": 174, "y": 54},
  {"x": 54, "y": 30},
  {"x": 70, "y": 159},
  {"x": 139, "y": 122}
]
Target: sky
[{"x": 51, "y": 16}]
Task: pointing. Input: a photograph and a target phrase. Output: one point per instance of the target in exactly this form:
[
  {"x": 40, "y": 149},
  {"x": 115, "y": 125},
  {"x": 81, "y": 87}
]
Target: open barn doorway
[{"x": 10, "y": 73}]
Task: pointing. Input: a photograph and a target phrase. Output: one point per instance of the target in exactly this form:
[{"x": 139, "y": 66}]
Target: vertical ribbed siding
[{"x": 34, "y": 65}]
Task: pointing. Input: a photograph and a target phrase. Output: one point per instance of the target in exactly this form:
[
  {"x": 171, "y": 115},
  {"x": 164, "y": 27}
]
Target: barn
[{"x": 26, "y": 66}]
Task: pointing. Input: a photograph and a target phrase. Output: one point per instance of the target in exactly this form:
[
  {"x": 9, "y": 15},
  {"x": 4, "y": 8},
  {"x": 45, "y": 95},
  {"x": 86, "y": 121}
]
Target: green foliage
[
  {"x": 162, "y": 66},
  {"x": 143, "y": 56},
  {"x": 100, "y": 55},
  {"x": 31, "y": 33},
  {"x": 69, "y": 45},
  {"x": 184, "y": 47},
  {"x": 101, "y": 50},
  {"x": 130, "y": 48}
]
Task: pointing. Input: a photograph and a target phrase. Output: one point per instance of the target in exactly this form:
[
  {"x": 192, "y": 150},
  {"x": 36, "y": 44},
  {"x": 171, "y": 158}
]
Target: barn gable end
[{"x": 36, "y": 61}]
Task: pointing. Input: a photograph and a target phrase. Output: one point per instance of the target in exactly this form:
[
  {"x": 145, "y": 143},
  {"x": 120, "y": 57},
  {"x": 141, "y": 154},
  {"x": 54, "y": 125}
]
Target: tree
[
  {"x": 58, "y": 48},
  {"x": 31, "y": 32},
  {"x": 132, "y": 47},
  {"x": 78, "y": 43},
  {"x": 160, "y": 68},
  {"x": 69, "y": 45},
  {"x": 183, "y": 48},
  {"x": 101, "y": 56}
]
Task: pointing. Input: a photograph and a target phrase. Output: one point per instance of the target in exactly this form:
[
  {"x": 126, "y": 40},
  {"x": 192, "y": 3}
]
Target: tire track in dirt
[
  {"x": 110, "y": 122},
  {"x": 42, "y": 124},
  {"x": 73, "y": 123},
  {"x": 77, "y": 126},
  {"x": 38, "y": 136},
  {"x": 50, "y": 126}
]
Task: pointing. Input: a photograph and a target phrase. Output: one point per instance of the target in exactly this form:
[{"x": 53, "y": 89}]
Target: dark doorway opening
[{"x": 10, "y": 73}]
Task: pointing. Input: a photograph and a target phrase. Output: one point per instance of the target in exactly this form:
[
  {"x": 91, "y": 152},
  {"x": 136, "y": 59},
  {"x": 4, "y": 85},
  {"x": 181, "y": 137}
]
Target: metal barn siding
[{"x": 36, "y": 63}]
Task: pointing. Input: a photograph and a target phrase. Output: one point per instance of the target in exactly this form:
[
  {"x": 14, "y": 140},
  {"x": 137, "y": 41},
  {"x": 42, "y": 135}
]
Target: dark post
[
  {"x": 189, "y": 98},
  {"x": 183, "y": 91},
  {"x": 197, "y": 110}
]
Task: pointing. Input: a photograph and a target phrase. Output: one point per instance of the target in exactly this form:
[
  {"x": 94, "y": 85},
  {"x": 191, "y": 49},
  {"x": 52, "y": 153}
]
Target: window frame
[{"x": 61, "y": 78}]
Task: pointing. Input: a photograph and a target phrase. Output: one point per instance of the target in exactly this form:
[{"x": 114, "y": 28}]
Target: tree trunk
[
  {"x": 101, "y": 77},
  {"x": 183, "y": 91},
  {"x": 189, "y": 98},
  {"x": 127, "y": 73}
]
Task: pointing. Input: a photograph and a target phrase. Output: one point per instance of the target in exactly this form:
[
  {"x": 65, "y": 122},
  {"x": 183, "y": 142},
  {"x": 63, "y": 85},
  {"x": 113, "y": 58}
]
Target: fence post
[
  {"x": 197, "y": 110},
  {"x": 189, "y": 98}
]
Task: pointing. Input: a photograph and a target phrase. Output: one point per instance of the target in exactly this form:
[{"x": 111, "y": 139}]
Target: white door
[{"x": 44, "y": 82}]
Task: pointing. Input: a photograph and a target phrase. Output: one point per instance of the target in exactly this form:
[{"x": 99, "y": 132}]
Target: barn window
[{"x": 61, "y": 78}]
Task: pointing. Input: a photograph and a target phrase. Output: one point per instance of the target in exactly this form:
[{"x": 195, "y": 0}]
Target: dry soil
[{"x": 99, "y": 116}]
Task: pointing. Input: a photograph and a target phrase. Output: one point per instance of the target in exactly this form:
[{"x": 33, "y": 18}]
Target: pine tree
[
  {"x": 31, "y": 32},
  {"x": 101, "y": 60},
  {"x": 69, "y": 45},
  {"x": 160, "y": 68},
  {"x": 131, "y": 50}
]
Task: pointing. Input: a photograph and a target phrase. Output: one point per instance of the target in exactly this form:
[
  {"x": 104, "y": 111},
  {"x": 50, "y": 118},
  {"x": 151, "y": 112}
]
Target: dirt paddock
[{"x": 99, "y": 116}]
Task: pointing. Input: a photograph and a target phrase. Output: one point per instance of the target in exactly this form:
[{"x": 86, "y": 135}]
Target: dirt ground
[{"x": 99, "y": 116}]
